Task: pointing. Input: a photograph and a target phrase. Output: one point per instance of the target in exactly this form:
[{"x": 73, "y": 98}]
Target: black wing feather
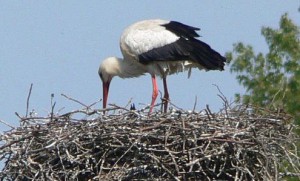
[
  {"x": 170, "y": 52},
  {"x": 182, "y": 30},
  {"x": 185, "y": 48}
]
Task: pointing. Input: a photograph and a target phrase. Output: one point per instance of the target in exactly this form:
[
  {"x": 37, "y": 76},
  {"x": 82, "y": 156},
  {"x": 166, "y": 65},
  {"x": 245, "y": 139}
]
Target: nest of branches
[{"x": 240, "y": 143}]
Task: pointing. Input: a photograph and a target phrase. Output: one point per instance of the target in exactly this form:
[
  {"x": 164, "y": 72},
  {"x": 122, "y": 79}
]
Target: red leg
[
  {"x": 154, "y": 93},
  {"x": 166, "y": 96}
]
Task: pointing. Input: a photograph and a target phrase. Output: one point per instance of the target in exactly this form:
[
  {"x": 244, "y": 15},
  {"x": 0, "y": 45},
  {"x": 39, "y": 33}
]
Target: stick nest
[{"x": 240, "y": 143}]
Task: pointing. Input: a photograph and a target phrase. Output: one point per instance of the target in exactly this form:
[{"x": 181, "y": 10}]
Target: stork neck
[{"x": 130, "y": 68}]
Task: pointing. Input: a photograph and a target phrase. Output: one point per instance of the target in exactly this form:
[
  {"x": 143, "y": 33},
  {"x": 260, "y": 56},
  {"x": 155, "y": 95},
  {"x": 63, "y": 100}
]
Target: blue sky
[{"x": 58, "y": 46}]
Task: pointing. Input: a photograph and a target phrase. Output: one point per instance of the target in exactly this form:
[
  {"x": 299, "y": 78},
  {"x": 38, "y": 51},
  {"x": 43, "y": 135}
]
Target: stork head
[{"x": 107, "y": 70}]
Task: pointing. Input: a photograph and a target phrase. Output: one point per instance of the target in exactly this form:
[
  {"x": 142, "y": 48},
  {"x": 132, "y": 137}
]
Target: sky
[{"x": 58, "y": 45}]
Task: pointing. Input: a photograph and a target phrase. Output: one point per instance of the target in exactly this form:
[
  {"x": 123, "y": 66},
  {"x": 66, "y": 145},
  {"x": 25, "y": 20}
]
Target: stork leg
[
  {"x": 154, "y": 93},
  {"x": 166, "y": 96}
]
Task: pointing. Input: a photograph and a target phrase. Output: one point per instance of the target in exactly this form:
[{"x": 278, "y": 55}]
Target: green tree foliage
[{"x": 271, "y": 79}]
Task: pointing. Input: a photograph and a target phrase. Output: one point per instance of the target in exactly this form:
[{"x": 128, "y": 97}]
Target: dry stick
[
  {"x": 275, "y": 166},
  {"x": 175, "y": 106},
  {"x": 129, "y": 102},
  {"x": 94, "y": 103},
  {"x": 289, "y": 158},
  {"x": 72, "y": 99},
  {"x": 174, "y": 160},
  {"x": 154, "y": 126},
  {"x": 163, "y": 166},
  {"x": 222, "y": 96},
  {"x": 7, "y": 124},
  {"x": 28, "y": 98},
  {"x": 15, "y": 141},
  {"x": 183, "y": 129},
  {"x": 289, "y": 174},
  {"x": 208, "y": 112},
  {"x": 162, "y": 100},
  {"x": 148, "y": 106},
  {"x": 18, "y": 115},
  {"x": 52, "y": 107},
  {"x": 232, "y": 141},
  {"x": 95, "y": 111},
  {"x": 203, "y": 158},
  {"x": 118, "y": 107},
  {"x": 121, "y": 157},
  {"x": 102, "y": 163},
  {"x": 195, "y": 104}
]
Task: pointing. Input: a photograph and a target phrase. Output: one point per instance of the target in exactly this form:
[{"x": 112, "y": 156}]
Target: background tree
[{"x": 271, "y": 79}]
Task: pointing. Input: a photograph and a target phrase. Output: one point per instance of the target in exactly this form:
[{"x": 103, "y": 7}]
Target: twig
[
  {"x": 163, "y": 167},
  {"x": 128, "y": 103},
  {"x": 195, "y": 104},
  {"x": 154, "y": 126},
  {"x": 118, "y": 107},
  {"x": 28, "y": 98},
  {"x": 208, "y": 112},
  {"x": 14, "y": 142},
  {"x": 72, "y": 99},
  {"x": 121, "y": 157},
  {"x": 7, "y": 124},
  {"x": 94, "y": 103},
  {"x": 52, "y": 107}
]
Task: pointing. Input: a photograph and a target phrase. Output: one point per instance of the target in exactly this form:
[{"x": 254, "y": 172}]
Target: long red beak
[{"x": 105, "y": 93}]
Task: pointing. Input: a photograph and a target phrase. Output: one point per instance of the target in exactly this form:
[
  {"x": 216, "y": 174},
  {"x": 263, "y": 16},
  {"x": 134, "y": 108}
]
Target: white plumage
[
  {"x": 160, "y": 48},
  {"x": 146, "y": 35}
]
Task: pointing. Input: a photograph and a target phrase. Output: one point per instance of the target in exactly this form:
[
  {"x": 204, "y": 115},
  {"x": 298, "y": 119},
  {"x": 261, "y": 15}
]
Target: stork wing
[{"x": 185, "y": 48}]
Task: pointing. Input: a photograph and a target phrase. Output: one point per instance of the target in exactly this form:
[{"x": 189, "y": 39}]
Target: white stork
[{"x": 160, "y": 48}]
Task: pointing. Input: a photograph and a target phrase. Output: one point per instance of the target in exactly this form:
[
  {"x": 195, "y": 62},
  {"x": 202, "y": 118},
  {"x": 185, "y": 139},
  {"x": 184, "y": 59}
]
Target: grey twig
[{"x": 28, "y": 99}]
